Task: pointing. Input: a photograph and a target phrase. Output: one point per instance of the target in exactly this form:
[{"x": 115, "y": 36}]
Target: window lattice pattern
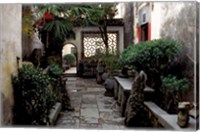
[{"x": 93, "y": 43}]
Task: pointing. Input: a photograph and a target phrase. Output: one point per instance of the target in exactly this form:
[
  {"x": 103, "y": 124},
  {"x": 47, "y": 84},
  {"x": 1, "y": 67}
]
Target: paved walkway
[
  {"x": 71, "y": 70},
  {"x": 93, "y": 110}
]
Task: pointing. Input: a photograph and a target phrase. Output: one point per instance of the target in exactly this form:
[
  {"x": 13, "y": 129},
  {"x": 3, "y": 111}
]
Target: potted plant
[{"x": 173, "y": 90}]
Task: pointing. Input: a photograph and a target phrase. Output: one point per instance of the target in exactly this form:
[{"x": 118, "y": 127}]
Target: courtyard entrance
[{"x": 69, "y": 56}]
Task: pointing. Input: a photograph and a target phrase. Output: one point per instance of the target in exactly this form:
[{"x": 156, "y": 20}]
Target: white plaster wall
[
  {"x": 156, "y": 19},
  {"x": 10, "y": 49},
  {"x": 161, "y": 13},
  {"x": 67, "y": 49},
  {"x": 136, "y": 20},
  {"x": 78, "y": 39},
  {"x": 120, "y": 10}
]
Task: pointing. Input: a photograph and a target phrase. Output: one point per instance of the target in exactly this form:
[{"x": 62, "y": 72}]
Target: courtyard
[{"x": 105, "y": 66}]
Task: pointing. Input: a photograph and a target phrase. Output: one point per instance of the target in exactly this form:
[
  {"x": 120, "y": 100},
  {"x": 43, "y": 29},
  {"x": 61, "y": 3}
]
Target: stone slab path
[
  {"x": 93, "y": 110},
  {"x": 71, "y": 70}
]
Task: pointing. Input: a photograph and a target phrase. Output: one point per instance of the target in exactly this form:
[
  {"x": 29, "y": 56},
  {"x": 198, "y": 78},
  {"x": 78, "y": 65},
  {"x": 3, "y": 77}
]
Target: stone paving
[
  {"x": 93, "y": 110},
  {"x": 71, "y": 70}
]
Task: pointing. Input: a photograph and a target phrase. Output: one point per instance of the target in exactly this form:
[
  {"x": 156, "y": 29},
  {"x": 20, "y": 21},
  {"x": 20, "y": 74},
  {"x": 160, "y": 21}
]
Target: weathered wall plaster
[
  {"x": 175, "y": 20},
  {"x": 128, "y": 24},
  {"x": 10, "y": 47},
  {"x": 179, "y": 23}
]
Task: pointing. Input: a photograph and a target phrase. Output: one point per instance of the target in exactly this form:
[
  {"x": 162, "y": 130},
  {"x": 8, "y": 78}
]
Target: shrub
[
  {"x": 152, "y": 55},
  {"x": 173, "y": 89},
  {"x": 155, "y": 57},
  {"x": 174, "y": 85},
  {"x": 33, "y": 96},
  {"x": 55, "y": 70},
  {"x": 52, "y": 60},
  {"x": 70, "y": 58},
  {"x": 111, "y": 62}
]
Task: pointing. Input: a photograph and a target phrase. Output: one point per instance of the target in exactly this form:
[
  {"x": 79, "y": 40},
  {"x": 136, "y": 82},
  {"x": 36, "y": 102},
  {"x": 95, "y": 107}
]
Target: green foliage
[
  {"x": 99, "y": 55},
  {"x": 154, "y": 56},
  {"x": 55, "y": 70},
  {"x": 33, "y": 96},
  {"x": 60, "y": 27},
  {"x": 64, "y": 18},
  {"x": 111, "y": 62},
  {"x": 52, "y": 60},
  {"x": 70, "y": 58},
  {"x": 67, "y": 16},
  {"x": 174, "y": 85},
  {"x": 173, "y": 90},
  {"x": 102, "y": 12}
]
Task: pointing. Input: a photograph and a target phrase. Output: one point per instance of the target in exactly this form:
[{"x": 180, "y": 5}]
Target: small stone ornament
[{"x": 183, "y": 114}]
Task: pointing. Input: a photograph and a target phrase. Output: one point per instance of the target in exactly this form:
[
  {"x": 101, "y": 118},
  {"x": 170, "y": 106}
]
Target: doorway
[
  {"x": 144, "y": 32},
  {"x": 69, "y": 58}
]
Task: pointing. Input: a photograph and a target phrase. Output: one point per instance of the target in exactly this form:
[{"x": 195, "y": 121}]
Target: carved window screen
[{"x": 93, "y": 43}]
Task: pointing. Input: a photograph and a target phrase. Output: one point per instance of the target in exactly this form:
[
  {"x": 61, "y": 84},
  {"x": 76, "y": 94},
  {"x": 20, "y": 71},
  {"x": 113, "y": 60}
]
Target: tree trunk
[
  {"x": 104, "y": 35},
  {"x": 106, "y": 41}
]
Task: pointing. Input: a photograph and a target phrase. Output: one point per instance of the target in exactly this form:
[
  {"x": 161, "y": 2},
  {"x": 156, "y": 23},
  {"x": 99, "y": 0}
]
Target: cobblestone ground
[{"x": 93, "y": 110}]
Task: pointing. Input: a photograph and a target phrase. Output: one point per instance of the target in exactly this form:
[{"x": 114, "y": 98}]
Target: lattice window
[{"x": 93, "y": 43}]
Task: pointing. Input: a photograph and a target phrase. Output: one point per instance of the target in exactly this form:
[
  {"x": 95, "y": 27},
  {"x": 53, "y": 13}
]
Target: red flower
[
  {"x": 48, "y": 16},
  {"x": 39, "y": 23}
]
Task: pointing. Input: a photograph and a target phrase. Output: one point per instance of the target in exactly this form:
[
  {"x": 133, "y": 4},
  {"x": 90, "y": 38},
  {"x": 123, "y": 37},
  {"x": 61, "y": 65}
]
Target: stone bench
[
  {"x": 122, "y": 90},
  {"x": 168, "y": 121}
]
